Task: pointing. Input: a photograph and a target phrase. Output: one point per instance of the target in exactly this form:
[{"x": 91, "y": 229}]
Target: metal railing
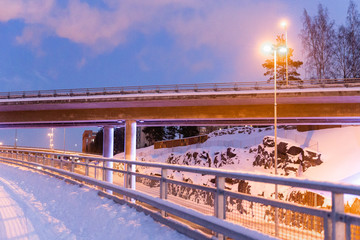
[
  {"x": 224, "y": 206},
  {"x": 176, "y": 88}
]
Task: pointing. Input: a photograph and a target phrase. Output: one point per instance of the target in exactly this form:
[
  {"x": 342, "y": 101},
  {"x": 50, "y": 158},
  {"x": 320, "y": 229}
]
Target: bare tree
[
  {"x": 353, "y": 39},
  {"x": 347, "y": 46},
  {"x": 318, "y": 37},
  {"x": 342, "y": 55}
]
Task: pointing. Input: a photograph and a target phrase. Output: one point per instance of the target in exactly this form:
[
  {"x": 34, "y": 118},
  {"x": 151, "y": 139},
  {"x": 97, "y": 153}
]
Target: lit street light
[
  {"x": 268, "y": 49},
  {"x": 284, "y": 25}
]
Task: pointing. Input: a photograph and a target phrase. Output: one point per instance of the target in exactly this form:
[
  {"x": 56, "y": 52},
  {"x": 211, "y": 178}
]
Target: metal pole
[
  {"x": 286, "y": 60},
  {"x": 275, "y": 147},
  {"x": 64, "y": 140},
  {"x": 15, "y": 143}
]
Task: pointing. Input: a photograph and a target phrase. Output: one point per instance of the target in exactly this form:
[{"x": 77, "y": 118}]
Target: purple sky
[{"x": 52, "y": 44}]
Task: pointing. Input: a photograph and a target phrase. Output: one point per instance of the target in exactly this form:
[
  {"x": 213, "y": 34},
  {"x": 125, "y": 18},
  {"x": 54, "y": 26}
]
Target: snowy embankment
[
  {"x": 36, "y": 206},
  {"x": 327, "y": 155}
]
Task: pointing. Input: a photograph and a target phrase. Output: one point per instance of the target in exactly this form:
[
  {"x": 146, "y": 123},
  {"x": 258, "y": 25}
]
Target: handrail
[
  {"x": 175, "y": 88},
  {"x": 256, "y": 177},
  {"x": 329, "y": 217}
]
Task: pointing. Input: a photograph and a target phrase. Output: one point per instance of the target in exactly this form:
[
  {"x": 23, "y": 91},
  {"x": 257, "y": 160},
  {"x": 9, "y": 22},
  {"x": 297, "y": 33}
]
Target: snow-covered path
[{"x": 36, "y": 206}]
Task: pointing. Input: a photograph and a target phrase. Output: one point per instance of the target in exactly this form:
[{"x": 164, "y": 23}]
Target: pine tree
[
  {"x": 188, "y": 131},
  {"x": 293, "y": 66},
  {"x": 171, "y": 132},
  {"x": 154, "y": 134}
]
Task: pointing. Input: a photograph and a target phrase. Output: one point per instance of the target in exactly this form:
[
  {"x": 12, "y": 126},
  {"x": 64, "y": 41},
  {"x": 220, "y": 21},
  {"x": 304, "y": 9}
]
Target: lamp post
[
  {"x": 284, "y": 25},
  {"x": 16, "y": 139},
  {"x": 51, "y": 136},
  {"x": 274, "y": 49}
]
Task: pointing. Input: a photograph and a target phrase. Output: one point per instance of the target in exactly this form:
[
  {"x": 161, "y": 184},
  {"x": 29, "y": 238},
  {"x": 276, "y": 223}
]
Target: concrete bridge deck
[{"x": 320, "y": 104}]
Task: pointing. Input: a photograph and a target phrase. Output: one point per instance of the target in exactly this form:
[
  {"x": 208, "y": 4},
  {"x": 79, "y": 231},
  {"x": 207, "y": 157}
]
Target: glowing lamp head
[
  {"x": 268, "y": 48},
  {"x": 282, "y": 49},
  {"x": 283, "y": 24}
]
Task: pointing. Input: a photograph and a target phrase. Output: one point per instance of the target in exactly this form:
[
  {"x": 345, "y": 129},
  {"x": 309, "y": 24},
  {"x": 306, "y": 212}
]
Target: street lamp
[
  {"x": 269, "y": 48},
  {"x": 274, "y": 49},
  {"x": 51, "y": 136},
  {"x": 284, "y": 25}
]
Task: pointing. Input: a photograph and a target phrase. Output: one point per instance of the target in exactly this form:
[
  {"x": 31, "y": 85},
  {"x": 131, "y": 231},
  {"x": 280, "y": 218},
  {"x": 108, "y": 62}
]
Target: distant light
[
  {"x": 1, "y": 143},
  {"x": 283, "y": 24},
  {"x": 141, "y": 121},
  {"x": 39, "y": 168}
]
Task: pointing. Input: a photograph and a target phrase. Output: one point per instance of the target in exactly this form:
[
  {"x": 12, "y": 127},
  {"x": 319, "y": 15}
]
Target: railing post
[
  {"x": 95, "y": 168},
  {"x": 61, "y": 162},
  {"x": 337, "y": 226},
  {"x": 72, "y": 165},
  {"x": 44, "y": 157},
  {"x": 163, "y": 188},
  {"x": 220, "y": 201},
  {"x": 103, "y": 171},
  {"x": 87, "y": 167}
]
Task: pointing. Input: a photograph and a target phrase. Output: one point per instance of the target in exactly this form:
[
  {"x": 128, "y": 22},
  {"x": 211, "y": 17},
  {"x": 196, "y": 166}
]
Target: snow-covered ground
[
  {"x": 338, "y": 149},
  {"x": 35, "y": 206}
]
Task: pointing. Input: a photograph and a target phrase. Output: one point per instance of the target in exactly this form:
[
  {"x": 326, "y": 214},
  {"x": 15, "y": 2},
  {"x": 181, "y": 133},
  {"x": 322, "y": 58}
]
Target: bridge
[{"x": 328, "y": 102}]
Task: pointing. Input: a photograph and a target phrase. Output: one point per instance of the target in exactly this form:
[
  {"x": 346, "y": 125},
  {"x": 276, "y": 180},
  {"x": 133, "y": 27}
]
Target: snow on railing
[
  {"x": 175, "y": 88},
  {"x": 223, "y": 205}
]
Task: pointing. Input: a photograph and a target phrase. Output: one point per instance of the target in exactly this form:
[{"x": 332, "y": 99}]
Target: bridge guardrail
[
  {"x": 176, "y": 88},
  {"x": 273, "y": 217}
]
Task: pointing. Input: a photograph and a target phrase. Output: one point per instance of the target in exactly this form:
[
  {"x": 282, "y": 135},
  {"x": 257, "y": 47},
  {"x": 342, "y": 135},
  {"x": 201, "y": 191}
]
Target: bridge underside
[{"x": 287, "y": 114}]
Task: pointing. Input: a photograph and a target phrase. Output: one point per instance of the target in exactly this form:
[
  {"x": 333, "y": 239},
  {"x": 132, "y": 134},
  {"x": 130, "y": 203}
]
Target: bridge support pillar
[
  {"x": 130, "y": 152},
  {"x": 108, "y": 152}
]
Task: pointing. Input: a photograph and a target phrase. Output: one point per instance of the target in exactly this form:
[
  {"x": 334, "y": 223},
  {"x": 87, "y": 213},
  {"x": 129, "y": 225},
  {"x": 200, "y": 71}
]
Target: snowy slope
[
  {"x": 333, "y": 153},
  {"x": 35, "y": 206},
  {"x": 339, "y": 149}
]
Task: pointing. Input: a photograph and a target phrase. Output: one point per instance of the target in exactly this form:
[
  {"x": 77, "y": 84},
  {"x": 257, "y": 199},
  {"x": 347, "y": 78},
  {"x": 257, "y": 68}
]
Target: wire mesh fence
[{"x": 355, "y": 232}]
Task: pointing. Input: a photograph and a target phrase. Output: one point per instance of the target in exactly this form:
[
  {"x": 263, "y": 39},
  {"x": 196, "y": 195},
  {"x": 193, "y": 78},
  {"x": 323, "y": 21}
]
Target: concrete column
[
  {"x": 130, "y": 151},
  {"x": 108, "y": 150}
]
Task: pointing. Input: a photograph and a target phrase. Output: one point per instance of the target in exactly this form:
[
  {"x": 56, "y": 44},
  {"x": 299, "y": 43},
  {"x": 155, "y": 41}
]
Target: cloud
[
  {"x": 82, "y": 23},
  {"x": 31, "y": 11},
  {"x": 81, "y": 63},
  {"x": 31, "y": 35},
  {"x": 229, "y": 28}
]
